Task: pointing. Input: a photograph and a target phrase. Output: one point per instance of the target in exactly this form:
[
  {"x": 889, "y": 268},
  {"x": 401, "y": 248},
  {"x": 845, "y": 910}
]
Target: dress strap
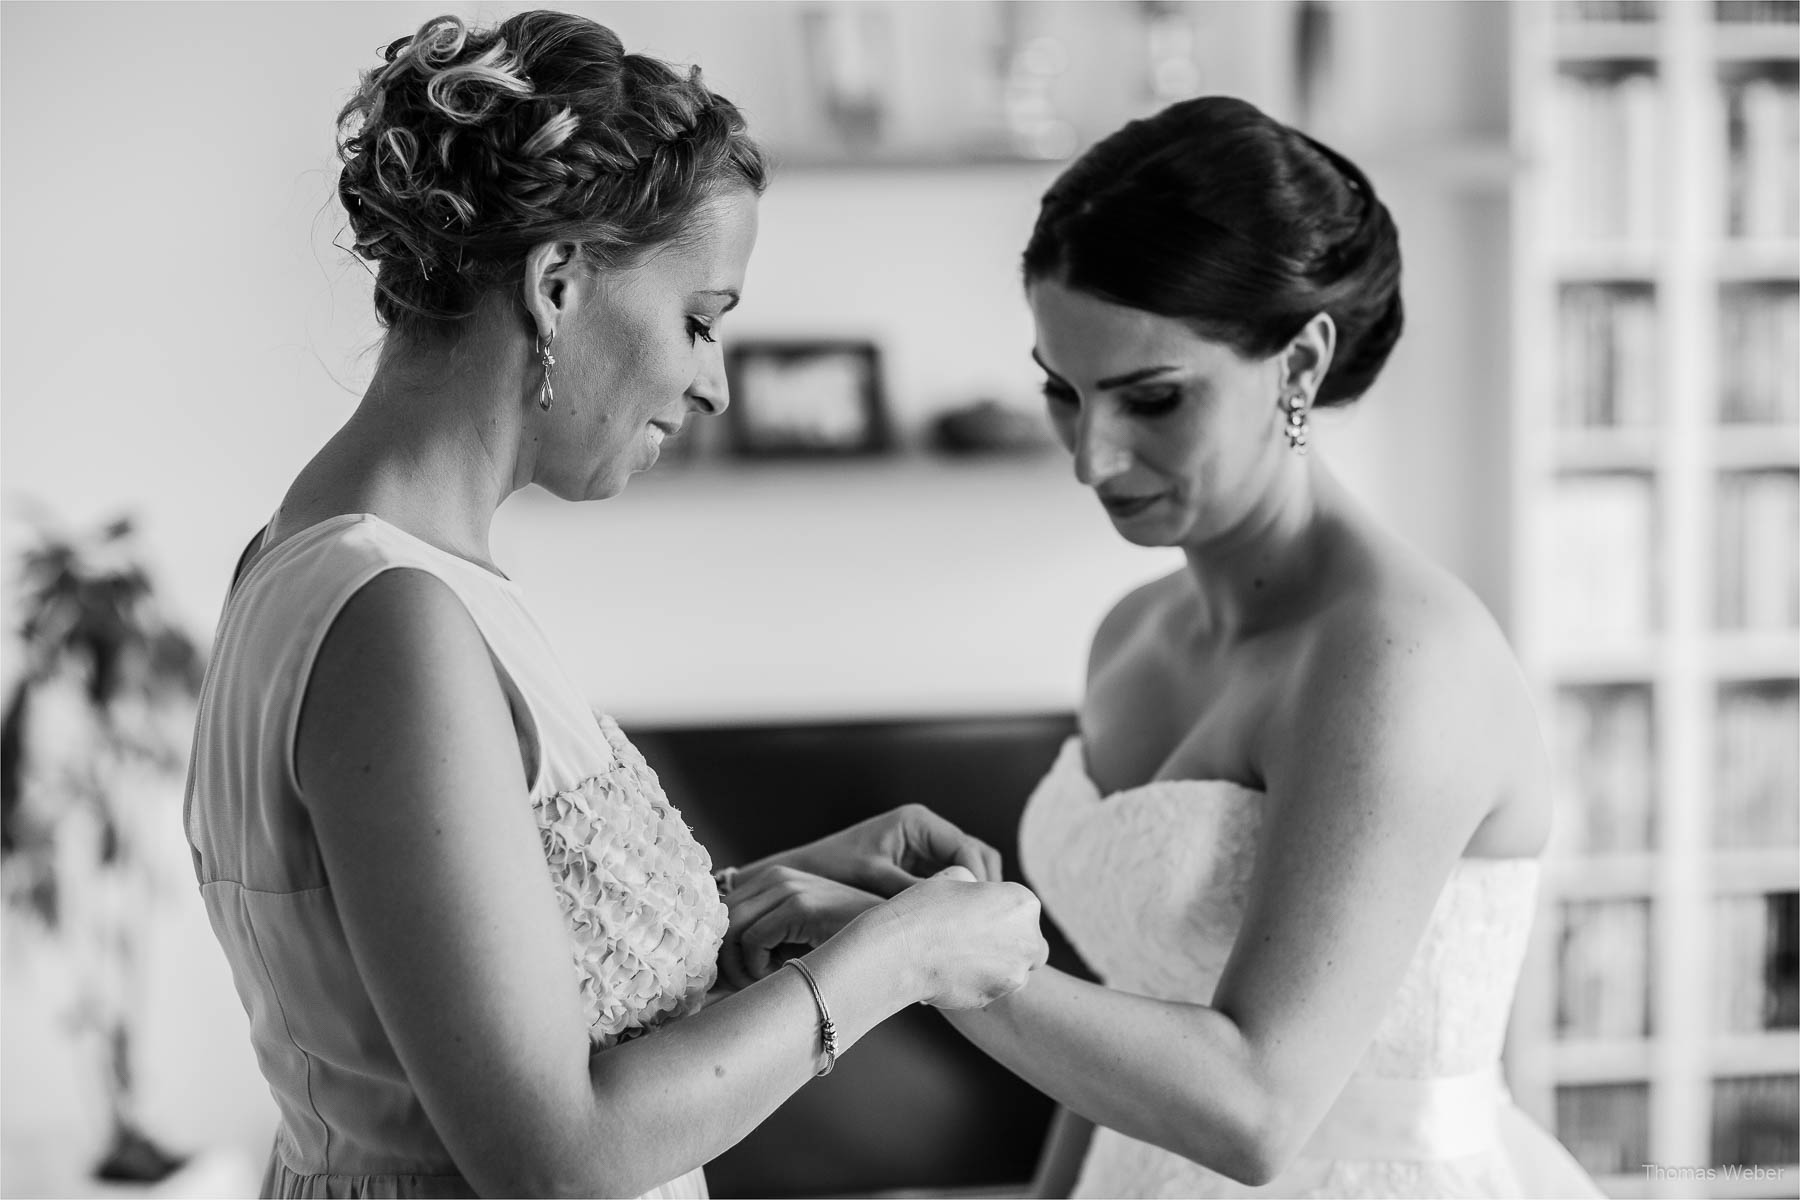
[{"x": 1412, "y": 1120}]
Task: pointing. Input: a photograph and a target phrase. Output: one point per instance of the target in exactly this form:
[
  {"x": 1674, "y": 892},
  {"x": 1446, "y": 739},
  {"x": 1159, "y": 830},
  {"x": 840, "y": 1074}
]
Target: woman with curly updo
[
  {"x": 474, "y": 940},
  {"x": 1297, "y": 837}
]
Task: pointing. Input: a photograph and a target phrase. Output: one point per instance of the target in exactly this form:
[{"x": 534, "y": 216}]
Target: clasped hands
[{"x": 803, "y": 896}]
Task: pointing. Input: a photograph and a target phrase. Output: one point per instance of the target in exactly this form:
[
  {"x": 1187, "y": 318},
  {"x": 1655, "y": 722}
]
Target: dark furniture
[{"x": 912, "y": 1106}]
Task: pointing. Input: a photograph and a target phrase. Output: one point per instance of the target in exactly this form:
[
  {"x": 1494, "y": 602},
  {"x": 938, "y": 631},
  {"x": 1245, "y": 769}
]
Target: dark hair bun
[
  {"x": 1214, "y": 213},
  {"x": 468, "y": 147}
]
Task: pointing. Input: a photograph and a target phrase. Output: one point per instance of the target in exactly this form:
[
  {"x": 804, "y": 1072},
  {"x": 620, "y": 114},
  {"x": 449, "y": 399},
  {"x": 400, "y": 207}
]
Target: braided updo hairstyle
[
  {"x": 468, "y": 147},
  {"x": 1213, "y": 213}
]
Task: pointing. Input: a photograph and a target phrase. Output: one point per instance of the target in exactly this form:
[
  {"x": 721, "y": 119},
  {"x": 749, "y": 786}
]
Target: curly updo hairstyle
[
  {"x": 1216, "y": 214},
  {"x": 468, "y": 147}
]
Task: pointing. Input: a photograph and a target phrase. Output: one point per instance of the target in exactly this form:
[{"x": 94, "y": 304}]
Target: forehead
[
  {"x": 1083, "y": 337},
  {"x": 716, "y": 250}
]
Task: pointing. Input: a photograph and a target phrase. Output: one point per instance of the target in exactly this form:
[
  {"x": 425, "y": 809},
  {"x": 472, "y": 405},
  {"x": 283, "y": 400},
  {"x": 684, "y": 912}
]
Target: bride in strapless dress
[{"x": 1297, "y": 837}]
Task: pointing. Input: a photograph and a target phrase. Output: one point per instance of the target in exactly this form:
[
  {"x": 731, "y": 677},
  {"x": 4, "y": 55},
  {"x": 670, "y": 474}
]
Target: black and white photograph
[{"x": 900, "y": 598}]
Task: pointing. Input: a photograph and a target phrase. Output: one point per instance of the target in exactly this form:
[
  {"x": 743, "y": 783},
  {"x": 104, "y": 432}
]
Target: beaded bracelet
[{"x": 827, "y": 1030}]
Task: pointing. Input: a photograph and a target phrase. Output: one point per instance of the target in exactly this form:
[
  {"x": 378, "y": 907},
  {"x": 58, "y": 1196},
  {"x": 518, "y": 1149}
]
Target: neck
[
  {"x": 1253, "y": 573},
  {"x": 434, "y": 445}
]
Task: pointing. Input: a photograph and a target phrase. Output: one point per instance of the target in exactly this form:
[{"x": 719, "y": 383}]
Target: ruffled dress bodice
[{"x": 1150, "y": 886}]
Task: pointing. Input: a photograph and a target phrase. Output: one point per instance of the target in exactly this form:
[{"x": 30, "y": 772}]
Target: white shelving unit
[{"x": 1681, "y": 659}]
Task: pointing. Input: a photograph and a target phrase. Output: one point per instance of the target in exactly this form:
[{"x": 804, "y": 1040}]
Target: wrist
[{"x": 888, "y": 935}]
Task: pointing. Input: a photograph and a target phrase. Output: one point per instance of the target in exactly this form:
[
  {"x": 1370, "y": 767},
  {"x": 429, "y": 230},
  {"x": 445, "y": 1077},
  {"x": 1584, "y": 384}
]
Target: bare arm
[
  {"x": 1377, "y": 778},
  {"x": 410, "y": 769}
]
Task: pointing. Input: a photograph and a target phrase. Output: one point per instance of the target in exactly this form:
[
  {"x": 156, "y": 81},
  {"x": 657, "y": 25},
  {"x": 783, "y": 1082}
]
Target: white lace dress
[{"x": 1150, "y": 884}]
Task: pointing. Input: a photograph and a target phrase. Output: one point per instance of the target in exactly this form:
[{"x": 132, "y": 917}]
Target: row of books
[
  {"x": 1604, "y": 556},
  {"x": 1756, "y": 962},
  {"x": 1605, "y": 1126},
  {"x": 1762, "y": 117},
  {"x": 1757, "y": 565},
  {"x": 1604, "y": 12},
  {"x": 1762, "y": 12},
  {"x": 1606, "y": 795},
  {"x": 1759, "y": 343},
  {"x": 1756, "y": 1120},
  {"x": 1603, "y": 969},
  {"x": 1603, "y": 548},
  {"x": 1756, "y": 778},
  {"x": 1603, "y": 159},
  {"x": 1606, "y": 340},
  {"x": 1726, "y": 12}
]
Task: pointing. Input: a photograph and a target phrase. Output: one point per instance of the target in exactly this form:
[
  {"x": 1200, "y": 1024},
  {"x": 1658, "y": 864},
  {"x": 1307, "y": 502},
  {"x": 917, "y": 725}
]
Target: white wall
[{"x": 179, "y": 334}]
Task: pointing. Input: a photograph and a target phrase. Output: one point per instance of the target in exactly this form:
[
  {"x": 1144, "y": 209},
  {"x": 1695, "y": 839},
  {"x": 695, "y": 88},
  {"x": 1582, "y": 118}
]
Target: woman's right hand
[{"x": 970, "y": 943}]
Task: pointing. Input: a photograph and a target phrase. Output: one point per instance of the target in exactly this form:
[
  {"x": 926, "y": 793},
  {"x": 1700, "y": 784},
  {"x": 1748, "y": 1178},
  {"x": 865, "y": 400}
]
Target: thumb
[{"x": 961, "y": 874}]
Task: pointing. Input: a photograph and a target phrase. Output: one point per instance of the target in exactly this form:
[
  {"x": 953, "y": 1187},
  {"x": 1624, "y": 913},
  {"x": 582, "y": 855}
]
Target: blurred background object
[
  {"x": 1656, "y": 460},
  {"x": 1591, "y": 419},
  {"x": 94, "y": 733}
]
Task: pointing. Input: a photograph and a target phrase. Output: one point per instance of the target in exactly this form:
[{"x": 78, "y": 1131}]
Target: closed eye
[
  {"x": 1156, "y": 403},
  {"x": 1056, "y": 393},
  {"x": 701, "y": 330}
]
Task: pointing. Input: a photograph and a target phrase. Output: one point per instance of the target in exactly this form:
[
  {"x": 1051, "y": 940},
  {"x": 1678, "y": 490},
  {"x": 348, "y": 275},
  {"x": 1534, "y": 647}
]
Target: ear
[
  {"x": 1307, "y": 358},
  {"x": 553, "y": 281}
]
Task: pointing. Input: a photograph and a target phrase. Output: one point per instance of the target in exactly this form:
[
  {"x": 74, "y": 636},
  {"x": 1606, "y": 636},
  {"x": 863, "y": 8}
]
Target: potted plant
[{"x": 96, "y": 725}]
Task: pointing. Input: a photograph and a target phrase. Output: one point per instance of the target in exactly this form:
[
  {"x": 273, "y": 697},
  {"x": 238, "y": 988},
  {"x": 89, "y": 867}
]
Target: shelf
[
  {"x": 1758, "y": 41},
  {"x": 1634, "y": 662},
  {"x": 1745, "y": 446},
  {"x": 1754, "y": 654},
  {"x": 1772, "y": 1052},
  {"x": 1760, "y": 869},
  {"x": 1604, "y": 41},
  {"x": 1775, "y": 260},
  {"x": 1602, "y": 876},
  {"x": 1606, "y": 448},
  {"x": 1782, "y": 1184},
  {"x": 1626, "y": 1061},
  {"x": 1607, "y": 262}
]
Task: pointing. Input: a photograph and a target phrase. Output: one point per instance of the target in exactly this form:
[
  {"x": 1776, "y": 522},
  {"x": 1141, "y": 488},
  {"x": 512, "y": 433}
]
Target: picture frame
[{"x": 806, "y": 398}]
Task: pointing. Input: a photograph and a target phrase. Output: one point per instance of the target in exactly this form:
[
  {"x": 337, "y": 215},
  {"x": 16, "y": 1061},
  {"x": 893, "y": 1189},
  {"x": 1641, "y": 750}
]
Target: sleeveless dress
[
  {"x": 644, "y": 917},
  {"x": 1150, "y": 884}
]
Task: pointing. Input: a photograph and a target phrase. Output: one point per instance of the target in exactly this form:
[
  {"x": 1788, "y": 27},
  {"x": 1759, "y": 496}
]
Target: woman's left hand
[
  {"x": 887, "y": 854},
  {"x": 774, "y": 906}
]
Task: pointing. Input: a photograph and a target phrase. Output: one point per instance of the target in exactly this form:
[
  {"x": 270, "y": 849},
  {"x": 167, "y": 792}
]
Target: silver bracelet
[{"x": 827, "y": 1031}]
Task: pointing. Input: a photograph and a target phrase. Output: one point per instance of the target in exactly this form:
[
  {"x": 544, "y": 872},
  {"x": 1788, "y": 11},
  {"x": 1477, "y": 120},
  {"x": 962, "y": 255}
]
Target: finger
[
  {"x": 958, "y": 872},
  {"x": 884, "y": 878},
  {"x": 996, "y": 866},
  {"x": 762, "y": 936},
  {"x": 746, "y": 911},
  {"x": 939, "y": 840}
]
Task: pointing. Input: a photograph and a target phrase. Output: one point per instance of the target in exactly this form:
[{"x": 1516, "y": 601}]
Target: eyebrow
[
  {"x": 1111, "y": 381},
  {"x": 730, "y": 292}
]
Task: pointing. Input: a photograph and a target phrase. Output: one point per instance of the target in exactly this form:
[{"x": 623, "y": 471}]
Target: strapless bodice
[{"x": 1150, "y": 884}]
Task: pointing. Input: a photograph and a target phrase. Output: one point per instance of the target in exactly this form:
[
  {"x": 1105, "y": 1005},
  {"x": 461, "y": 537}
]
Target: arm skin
[
  {"x": 411, "y": 772},
  {"x": 1381, "y": 764}
]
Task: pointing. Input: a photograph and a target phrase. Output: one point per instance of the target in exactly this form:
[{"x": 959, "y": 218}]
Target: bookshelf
[{"x": 1656, "y": 485}]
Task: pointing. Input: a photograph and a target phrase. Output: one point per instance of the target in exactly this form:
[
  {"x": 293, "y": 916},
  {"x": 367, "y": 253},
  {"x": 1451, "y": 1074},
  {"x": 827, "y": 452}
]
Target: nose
[
  {"x": 710, "y": 393},
  {"x": 1102, "y": 448}
]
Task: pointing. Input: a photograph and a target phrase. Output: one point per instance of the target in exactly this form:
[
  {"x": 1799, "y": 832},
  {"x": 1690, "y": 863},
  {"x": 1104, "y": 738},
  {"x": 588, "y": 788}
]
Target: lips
[
  {"x": 667, "y": 428},
  {"x": 1128, "y": 506}
]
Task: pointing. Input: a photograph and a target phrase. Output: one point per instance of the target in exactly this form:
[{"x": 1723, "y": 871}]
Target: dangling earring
[
  {"x": 547, "y": 396},
  {"x": 1296, "y": 428}
]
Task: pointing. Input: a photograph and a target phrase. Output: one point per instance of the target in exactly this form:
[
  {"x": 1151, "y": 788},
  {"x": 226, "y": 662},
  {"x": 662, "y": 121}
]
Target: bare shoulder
[
  {"x": 402, "y": 675},
  {"x": 1408, "y": 671},
  {"x": 1139, "y": 610}
]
